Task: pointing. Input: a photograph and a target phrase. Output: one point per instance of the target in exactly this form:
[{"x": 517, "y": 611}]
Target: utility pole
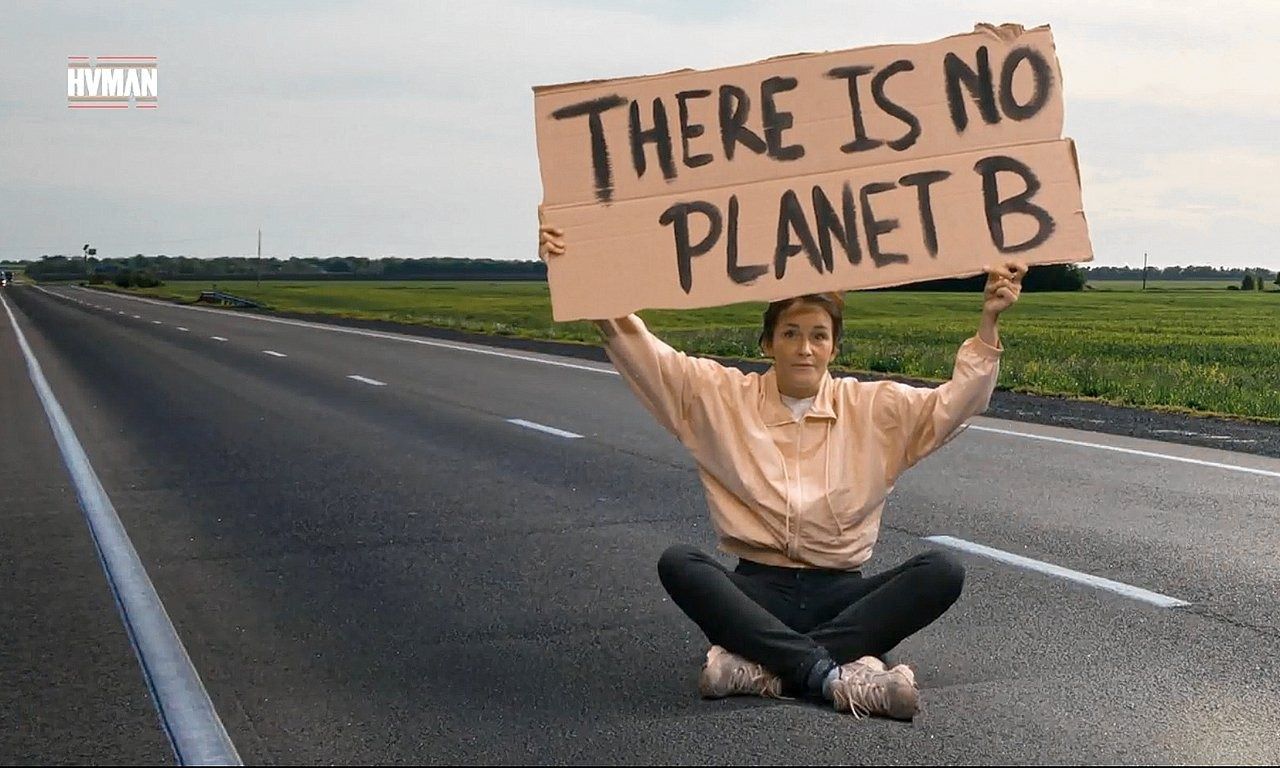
[
  {"x": 1144, "y": 270},
  {"x": 259, "y": 281}
]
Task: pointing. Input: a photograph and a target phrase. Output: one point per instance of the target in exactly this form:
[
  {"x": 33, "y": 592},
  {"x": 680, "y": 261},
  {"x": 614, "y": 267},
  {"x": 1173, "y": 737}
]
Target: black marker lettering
[
  {"x": 735, "y": 105},
  {"x": 829, "y": 223},
  {"x": 776, "y": 122},
  {"x": 659, "y": 134},
  {"x": 921, "y": 182},
  {"x": 678, "y": 216},
  {"x": 861, "y": 142},
  {"x": 599, "y": 149},
  {"x": 980, "y": 85},
  {"x": 876, "y": 227},
  {"x": 898, "y": 111},
  {"x": 691, "y": 130},
  {"x": 1042, "y": 74},
  {"x": 739, "y": 275},
  {"x": 997, "y": 209},
  {"x": 791, "y": 217}
]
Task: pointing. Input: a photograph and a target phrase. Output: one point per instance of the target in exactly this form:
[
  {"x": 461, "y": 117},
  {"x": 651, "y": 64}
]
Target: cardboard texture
[{"x": 806, "y": 173}]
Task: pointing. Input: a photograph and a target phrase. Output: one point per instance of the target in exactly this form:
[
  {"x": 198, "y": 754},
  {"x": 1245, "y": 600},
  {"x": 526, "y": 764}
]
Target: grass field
[{"x": 1200, "y": 348}]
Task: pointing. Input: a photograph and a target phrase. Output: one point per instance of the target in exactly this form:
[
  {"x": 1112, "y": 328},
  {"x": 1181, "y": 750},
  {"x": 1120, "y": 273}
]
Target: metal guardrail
[{"x": 226, "y": 299}]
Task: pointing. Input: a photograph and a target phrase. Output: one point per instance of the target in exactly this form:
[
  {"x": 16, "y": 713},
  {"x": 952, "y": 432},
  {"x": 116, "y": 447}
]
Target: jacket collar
[{"x": 775, "y": 412}]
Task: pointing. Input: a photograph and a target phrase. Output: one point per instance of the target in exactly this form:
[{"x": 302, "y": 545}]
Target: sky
[{"x": 406, "y": 129}]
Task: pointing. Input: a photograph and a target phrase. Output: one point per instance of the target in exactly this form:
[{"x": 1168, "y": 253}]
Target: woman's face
[{"x": 802, "y": 346}]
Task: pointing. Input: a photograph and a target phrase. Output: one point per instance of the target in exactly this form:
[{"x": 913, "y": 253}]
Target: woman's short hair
[{"x": 833, "y": 303}]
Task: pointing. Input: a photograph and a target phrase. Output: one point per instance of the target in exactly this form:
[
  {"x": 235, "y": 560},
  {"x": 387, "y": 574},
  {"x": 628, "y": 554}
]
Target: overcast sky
[{"x": 406, "y": 129}]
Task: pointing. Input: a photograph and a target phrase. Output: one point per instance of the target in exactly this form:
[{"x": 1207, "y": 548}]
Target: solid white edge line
[
  {"x": 273, "y": 353},
  {"x": 1132, "y": 451},
  {"x": 1120, "y": 588},
  {"x": 195, "y": 731},
  {"x": 543, "y": 428}
]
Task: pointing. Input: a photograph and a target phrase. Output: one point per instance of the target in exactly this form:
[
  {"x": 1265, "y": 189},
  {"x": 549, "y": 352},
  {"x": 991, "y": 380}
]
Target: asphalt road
[{"x": 396, "y": 573}]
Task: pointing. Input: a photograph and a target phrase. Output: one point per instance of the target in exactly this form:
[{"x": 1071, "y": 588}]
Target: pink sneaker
[
  {"x": 866, "y": 688},
  {"x": 878, "y": 665},
  {"x": 727, "y": 674},
  {"x": 906, "y": 672}
]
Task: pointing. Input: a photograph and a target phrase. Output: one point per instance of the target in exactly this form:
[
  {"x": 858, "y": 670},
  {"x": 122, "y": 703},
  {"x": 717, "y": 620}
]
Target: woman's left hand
[{"x": 1004, "y": 285}]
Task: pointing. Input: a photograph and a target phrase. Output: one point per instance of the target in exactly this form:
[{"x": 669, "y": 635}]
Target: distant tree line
[
  {"x": 1258, "y": 282},
  {"x": 1178, "y": 273},
  {"x": 165, "y": 267},
  {"x": 140, "y": 269},
  {"x": 1049, "y": 277}
]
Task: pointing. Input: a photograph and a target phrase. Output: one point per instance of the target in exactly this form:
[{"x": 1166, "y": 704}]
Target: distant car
[{"x": 6, "y": 277}]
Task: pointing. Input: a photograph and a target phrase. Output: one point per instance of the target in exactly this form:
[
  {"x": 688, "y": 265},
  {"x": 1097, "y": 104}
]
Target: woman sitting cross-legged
[{"x": 796, "y": 465}]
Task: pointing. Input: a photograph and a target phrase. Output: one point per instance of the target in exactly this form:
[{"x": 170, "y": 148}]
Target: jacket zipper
[{"x": 795, "y": 540}]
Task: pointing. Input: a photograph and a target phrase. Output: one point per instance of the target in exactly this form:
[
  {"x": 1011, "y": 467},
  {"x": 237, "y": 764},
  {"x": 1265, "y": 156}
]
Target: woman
[{"x": 796, "y": 466}]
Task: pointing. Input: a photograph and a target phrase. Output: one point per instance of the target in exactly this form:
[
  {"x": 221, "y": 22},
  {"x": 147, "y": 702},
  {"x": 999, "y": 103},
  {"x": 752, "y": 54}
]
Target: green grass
[{"x": 1208, "y": 351}]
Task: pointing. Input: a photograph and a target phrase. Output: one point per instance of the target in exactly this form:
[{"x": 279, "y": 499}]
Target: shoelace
[
  {"x": 863, "y": 696},
  {"x": 749, "y": 678}
]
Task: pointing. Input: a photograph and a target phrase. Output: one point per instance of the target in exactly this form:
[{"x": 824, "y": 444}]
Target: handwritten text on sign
[{"x": 875, "y": 166}]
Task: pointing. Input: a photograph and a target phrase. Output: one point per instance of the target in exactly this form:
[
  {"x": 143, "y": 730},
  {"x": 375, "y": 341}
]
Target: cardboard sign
[{"x": 809, "y": 173}]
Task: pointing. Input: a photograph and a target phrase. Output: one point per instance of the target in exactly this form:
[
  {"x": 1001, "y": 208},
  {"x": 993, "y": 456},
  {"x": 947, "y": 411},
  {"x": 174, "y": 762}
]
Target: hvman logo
[{"x": 112, "y": 82}]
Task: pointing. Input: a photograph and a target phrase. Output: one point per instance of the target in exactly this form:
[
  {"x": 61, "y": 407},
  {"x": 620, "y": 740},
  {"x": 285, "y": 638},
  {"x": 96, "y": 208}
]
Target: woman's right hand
[
  {"x": 550, "y": 239},
  {"x": 551, "y": 243}
]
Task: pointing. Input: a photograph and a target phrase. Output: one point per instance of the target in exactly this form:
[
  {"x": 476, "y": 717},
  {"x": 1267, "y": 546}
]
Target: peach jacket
[{"x": 801, "y": 493}]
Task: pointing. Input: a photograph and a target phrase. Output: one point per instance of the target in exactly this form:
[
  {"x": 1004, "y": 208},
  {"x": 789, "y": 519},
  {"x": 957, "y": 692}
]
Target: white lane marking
[
  {"x": 374, "y": 382},
  {"x": 195, "y": 731},
  {"x": 137, "y": 317},
  {"x": 1132, "y": 451},
  {"x": 218, "y": 338},
  {"x": 612, "y": 372},
  {"x": 373, "y": 335},
  {"x": 181, "y": 328},
  {"x": 543, "y": 428},
  {"x": 273, "y": 354},
  {"x": 157, "y": 322},
  {"x": 1120, "y": 588}
]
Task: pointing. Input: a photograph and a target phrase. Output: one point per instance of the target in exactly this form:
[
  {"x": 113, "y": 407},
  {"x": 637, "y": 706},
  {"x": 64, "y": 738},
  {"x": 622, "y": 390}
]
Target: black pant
[{"x": 789, "y": 619}]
